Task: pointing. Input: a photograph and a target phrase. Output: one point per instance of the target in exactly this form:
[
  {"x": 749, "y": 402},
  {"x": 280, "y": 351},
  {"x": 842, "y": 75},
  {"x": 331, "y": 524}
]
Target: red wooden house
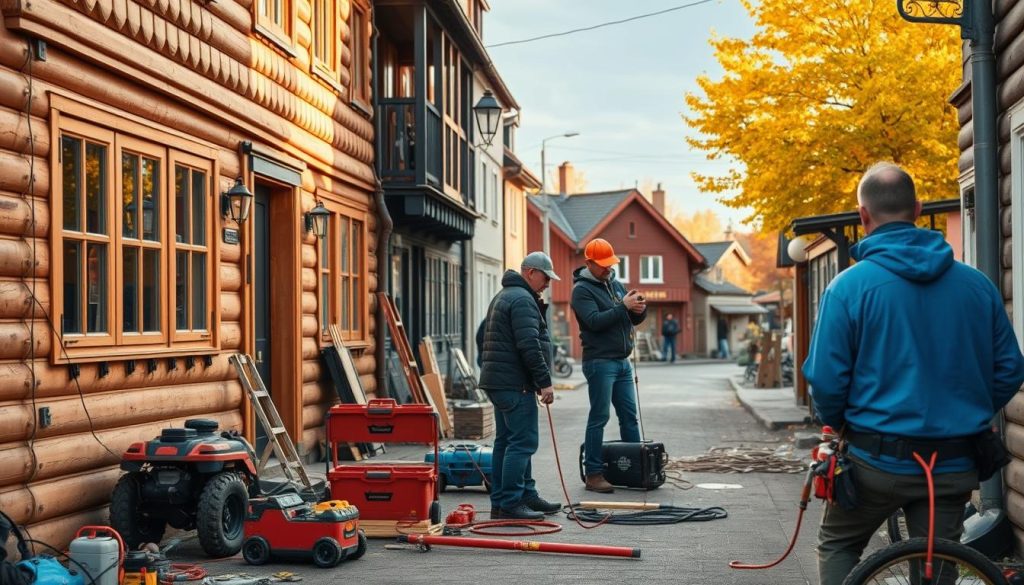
[{"x": 656, "y": 259}]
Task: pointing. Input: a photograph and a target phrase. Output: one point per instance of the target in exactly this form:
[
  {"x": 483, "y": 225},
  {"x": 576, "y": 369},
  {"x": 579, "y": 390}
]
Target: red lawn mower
[{"x": 189, "y": 478}]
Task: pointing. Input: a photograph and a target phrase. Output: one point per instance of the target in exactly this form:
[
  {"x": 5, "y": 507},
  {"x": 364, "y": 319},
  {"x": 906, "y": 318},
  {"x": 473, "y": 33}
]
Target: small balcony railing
[{"x": 404, "y": 158}]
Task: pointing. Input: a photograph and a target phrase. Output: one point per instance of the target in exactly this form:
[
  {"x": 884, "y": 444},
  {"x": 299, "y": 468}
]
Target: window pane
[
  {"x": 95, "y": 188},
  {"x": 72, "y": 322},
  {"x": 198, "y": 208},
  {"x": 130, "y": 293},
  {"x": 96, "y": 276},
  {"x": 151, "y": 290},
  {"x": 71, "y": 171},
  {"x": 357, "y": 308},
  {"x": 346, "y": 297},
  {"x": 129, "y": 195},
  {"x": 325, "y": 283},
  {"x": 181, "y": 224},
  {"x": 150, "y": 199},
  {"x": 198, "y": 291},
  {"x": 325, "y": 250},
  {"x": 344, "y": 236},
  {"x": 357, "y": 249},
  {"x": 181, "y": 291}
]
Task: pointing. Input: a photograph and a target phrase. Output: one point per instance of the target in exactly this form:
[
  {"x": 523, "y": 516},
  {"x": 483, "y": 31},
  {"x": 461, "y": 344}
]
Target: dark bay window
[{"x": 134, "y": 268}]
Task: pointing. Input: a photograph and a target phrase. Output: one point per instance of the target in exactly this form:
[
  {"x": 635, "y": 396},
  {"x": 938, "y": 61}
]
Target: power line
[{"x": 602, "y": 25}]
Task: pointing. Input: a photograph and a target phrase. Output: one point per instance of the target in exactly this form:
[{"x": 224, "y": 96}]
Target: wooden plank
[
  {"x": 428, "y": 356},
  {"x": 400, "y": 342},
  {"x": 355, "y": 386},
  {"x": 393, "y": 528},
  {"x": 435, "y": 390}
]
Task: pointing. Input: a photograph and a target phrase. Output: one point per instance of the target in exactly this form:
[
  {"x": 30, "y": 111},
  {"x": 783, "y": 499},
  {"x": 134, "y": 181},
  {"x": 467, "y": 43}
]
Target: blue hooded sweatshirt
[{"x": 909, "y": 342}]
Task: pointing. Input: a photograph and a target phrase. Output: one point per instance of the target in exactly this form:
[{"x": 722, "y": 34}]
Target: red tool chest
[{"x": 404, "y": 492}]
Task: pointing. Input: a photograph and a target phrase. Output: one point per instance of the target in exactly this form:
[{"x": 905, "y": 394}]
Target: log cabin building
[{"x": 125, "y": 283}]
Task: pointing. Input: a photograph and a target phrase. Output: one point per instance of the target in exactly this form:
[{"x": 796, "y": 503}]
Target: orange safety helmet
[{"x": 601, "y": 253}]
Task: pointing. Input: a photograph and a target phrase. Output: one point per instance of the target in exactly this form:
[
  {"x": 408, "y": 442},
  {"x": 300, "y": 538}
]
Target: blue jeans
[
  {"x": 609, "y": 382},
  {"x": 669, "y": 348},
  {"x": 515, "y": 442},
  {"x": 723, "y": 349}
]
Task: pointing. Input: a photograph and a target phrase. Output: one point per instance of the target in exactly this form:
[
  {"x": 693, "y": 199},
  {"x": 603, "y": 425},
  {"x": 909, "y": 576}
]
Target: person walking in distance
[
  {"x": 515, "y": 358},
  {"x": 669, "y": 330},
  {"x": 912, "y": 352},
  {"x": 606, "y": 314}
]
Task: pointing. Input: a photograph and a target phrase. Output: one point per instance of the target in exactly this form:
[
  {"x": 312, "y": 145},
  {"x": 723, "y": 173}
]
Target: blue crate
[{"x": 456, "y": 466}]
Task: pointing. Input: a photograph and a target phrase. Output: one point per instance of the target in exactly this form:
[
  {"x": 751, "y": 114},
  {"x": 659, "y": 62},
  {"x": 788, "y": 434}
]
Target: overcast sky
[{"x": 621, "y": 87}]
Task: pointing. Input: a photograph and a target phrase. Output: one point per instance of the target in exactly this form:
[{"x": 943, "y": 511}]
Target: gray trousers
[{"x": 844, "y": 535}]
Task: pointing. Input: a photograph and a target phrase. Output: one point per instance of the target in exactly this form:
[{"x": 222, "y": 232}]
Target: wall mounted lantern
[
  {"x": 235, "y": 203},
  {"x": 316, "y": 220},
  {"x": 488, "y": 116}
]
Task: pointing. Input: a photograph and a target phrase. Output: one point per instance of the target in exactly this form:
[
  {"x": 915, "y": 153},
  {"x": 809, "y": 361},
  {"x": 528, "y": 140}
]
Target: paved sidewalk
[
  {"x": 690, "y": 409},
  {"x": 775, "y": 408}
]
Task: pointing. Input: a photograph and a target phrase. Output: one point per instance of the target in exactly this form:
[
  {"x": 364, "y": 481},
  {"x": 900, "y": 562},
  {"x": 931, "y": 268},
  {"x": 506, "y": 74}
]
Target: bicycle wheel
[
  {"x": 896, "y": 527},
  {"x": 903, "y": 563}
]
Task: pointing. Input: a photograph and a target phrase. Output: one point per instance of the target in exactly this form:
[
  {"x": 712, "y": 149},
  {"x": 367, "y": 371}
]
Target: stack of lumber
[
  {"x": 473, "y": 420},
  {"x": 393, "y": 528}
]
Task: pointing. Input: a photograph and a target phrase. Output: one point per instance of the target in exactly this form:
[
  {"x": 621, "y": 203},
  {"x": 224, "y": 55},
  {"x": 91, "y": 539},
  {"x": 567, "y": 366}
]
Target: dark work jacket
[
  {"x": 670, "y": 328},
  {"x": 516, "y": 345},
  {"x": 606, "y": 326}
]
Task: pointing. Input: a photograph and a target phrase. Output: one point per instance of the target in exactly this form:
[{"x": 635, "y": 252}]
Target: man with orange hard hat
[{"x": 606, "y": 314}]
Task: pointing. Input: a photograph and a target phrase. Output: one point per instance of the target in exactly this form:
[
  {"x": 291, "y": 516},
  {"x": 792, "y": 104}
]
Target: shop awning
[{"x": 739, "y": 308}]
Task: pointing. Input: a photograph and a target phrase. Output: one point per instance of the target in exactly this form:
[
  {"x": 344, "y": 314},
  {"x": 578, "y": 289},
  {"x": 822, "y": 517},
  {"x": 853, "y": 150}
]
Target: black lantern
[
  {"x": 316, "y": 220},
  {"x": 488, "y": 116},
  {"x": 236, "y": 202}
]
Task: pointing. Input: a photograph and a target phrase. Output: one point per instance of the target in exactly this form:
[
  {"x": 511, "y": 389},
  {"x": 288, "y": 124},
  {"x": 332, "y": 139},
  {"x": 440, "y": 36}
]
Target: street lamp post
[{"x": 546, "y": 217}]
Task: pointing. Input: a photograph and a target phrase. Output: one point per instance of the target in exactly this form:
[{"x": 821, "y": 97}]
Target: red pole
[{"x": 522, "y": 545}]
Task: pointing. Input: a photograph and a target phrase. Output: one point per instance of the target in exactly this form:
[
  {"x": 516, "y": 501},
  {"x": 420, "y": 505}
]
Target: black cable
[
  {"x": 660, "y": 515},
  {"x": 601, "y": 25}
]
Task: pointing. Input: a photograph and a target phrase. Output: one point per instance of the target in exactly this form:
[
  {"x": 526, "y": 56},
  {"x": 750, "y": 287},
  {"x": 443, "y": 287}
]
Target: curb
[{"x": 769, "y": 423}]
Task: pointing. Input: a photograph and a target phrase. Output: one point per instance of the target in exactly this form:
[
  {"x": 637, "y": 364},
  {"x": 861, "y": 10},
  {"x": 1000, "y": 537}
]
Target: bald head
[{"x": 886, "y": 193}]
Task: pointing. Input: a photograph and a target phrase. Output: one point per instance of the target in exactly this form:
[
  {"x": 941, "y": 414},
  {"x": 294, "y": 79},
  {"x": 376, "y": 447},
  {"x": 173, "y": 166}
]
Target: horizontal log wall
[{"x": 196, "y": 69}]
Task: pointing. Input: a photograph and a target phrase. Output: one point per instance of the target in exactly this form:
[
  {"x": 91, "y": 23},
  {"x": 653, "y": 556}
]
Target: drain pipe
[{"x": 385, "y": 225}]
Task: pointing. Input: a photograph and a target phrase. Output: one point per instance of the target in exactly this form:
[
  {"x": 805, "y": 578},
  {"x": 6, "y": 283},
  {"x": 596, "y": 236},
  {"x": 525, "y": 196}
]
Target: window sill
[
  {"x": 276, "y": 40},
  {"x": 361, "y": 107},
  {"x": 652, "y": 281},
  {"x": 124, "y": 353},
  {"x": 327, "y": 77}
]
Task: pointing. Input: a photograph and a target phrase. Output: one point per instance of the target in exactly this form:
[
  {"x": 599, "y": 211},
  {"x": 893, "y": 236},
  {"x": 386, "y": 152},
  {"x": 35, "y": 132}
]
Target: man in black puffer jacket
[{"x": 515, "y": 353}]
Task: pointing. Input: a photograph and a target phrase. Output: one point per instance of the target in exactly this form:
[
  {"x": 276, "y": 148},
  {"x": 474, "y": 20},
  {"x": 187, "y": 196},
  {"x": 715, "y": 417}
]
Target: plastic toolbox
[
  {"x": 382, "y": 420},
  {"x": 402, "y": 492},
  {"x": 461, "y": 465}
]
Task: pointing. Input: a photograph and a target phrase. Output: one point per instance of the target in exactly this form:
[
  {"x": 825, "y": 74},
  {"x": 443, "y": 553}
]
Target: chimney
[
  {"x": 658, "y": 199},
  {"x": 566, "y": 179}
]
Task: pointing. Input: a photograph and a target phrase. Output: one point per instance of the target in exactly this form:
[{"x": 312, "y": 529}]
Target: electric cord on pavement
[{"x": 660, "y": 515}]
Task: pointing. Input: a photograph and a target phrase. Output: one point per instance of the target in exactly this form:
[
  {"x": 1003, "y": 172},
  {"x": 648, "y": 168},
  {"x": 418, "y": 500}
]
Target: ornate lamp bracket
[{"x": 939, "y": 12}]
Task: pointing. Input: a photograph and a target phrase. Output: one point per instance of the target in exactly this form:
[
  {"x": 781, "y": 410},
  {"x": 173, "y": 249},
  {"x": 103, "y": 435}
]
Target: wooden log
[
  {"x": 230, "y": 277},
  {"x": 1011, "y": 24},
  {"x": 230, "y": 253},
  {"x": 1014, "y": 474},
  {"x": 1014, "y": 410},
  {"x": 18, "y": 167},
  {"x": 44, "y": 500},
  {"x": 314, "y": 415},
  {"x": 16, "y": 137},
  {"x": 317, "y": 393},
  {"x": 231, "y": 336},
  {"x": 14, "y": 92},
  {"x": 19, "y": 301},
  {"x": 230, "y": 306},
  {"x": 52, "y": 381},
  {"x": 17, "y": 219},
  {"x": 1014, "y": 439},
  {"x": 17, "y": 340},
  {"x": 311, "y": 440},
  {"x": 310, "y": 302},
  {"x": 310, "y": 326},
  {"x": 18, "y": 257},
  {"x": 309, "y": 279},
  {"x": 113, "y": 409},
  {"x": 69, "y": 454},
  {"x": 310, "y": 349},
  {"x": 312, "y": 371},
  {"x": 309, "y": 259}
]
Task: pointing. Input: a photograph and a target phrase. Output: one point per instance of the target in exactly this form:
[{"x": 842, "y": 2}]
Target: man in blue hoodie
[{"x": 912, "y": 351}]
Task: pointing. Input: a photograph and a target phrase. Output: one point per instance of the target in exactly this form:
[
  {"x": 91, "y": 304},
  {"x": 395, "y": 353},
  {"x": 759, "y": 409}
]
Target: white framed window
[
  {"x": 622, "y": 269},
  {"x": 494, "y": 195},
  {"x": 484, "y": 184},
  {"x": 650, "y": 270},
  {"x": 1016, "y": 115}
]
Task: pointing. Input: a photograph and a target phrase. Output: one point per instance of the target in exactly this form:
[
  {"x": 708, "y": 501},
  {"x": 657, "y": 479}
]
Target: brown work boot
[{"x": 597, "y": 483}]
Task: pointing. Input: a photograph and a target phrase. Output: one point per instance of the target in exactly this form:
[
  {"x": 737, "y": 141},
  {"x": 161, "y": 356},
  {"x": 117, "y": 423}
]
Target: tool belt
[{"x": 904, "y": 447}]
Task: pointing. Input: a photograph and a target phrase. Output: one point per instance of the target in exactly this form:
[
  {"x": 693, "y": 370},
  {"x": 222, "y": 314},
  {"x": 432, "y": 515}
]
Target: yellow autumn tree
[
  {"x": 699, "y": 227},
  {"x": 820, "y": 92}
]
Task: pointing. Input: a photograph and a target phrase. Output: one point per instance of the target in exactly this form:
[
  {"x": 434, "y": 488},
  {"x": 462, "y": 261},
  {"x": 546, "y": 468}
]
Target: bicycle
[{"x": 926, "y": 560}]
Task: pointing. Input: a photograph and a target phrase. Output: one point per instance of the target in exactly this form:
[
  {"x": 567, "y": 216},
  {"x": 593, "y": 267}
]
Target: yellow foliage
[
  {"x": 702, "y": 226},
  {"x": 823, "y": 90}
]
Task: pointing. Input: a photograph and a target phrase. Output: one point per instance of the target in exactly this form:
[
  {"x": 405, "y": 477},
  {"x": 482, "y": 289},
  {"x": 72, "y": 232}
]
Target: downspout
[
  {"x": 986, "y": 164},
  {"x": 384, "y": 229}
]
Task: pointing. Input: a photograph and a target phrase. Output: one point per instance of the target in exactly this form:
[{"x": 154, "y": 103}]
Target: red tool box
[{"x": 403, "y": 492}]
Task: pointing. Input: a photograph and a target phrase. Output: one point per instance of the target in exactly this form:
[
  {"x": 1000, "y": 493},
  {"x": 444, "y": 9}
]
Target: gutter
[{"x": 385, "y": 226}]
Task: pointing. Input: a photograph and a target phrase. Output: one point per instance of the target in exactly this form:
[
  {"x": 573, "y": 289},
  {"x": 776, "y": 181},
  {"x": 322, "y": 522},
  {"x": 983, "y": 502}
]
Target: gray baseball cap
[{"x": 540, "y": 261}]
